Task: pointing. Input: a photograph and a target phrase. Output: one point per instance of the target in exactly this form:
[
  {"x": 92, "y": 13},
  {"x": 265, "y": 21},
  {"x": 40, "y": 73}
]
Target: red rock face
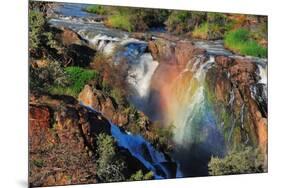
[
  {"x": 59, "y": 151},
  {"x": 62, "y": 142},
  {"x": 39, "y": 121},
  {"x": 69, "y": 37},
  {"x": 185, "y": 51},
  {"x": 102, "y": 103},
  {"x": 241, "y": 77}
]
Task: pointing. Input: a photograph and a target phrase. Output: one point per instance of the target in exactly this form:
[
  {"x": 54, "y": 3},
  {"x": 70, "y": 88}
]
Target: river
[{"x": 183, "y": 103}]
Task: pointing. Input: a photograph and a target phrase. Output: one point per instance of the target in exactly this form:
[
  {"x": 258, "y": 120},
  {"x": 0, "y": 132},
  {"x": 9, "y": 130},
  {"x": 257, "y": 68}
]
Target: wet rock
[
  {"x": 185, "y": 50},
  {"x": 141, "y": 36},
  {"x": 161, "y": 50},
  {"x": 233, "y": 80},
  {"x": 176, "y": 53}
]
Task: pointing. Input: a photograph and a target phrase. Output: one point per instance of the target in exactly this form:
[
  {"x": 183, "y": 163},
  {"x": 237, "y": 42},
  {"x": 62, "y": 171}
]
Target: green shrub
[
  {"x": 201, "y": 31},
  {"x": 140, "y": 176},
  {"x": 246, "y": 160},
  {"x": 216, "y": 18},
  {"x": 41, "y": 79},
  {"x": 136, "y": 19},
  {"x": 78, "y": 78},
  {"x": 116, "y": 94},
  {"x": 36, "y": 27},
  {"x": 240, "y": 41},
  {"x": 121, "y": 21},
  {"x": 41, "y": 39},
  {"x": 180, "y": 22},
  {"x": 213, "y": 28},
  {"x": 109, "y": 168},
  {"x": 96, "y": 9},
  {"x": 155, "y": 17},
  {"x": 177, "y": 22},
  {"x": 38, "y": 163},
  {"x": 162, "y": 136}
]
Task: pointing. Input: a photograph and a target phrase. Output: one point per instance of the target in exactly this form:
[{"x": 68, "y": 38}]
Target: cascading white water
[
  {"x": 142, "y": 150},
  {"x": 189, "y": 101},
  {"x": 103, "y": 43},
  {"x": 262, "y": 74},
  {"x": 139, "y": 77}
]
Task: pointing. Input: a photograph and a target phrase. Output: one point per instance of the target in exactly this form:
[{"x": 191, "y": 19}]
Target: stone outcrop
[
  {"x": 179, "y": 52},
  {"x": 68, "y": 37},
  {"x": 62, "y": 142},
  {"x": 231, "y": 81},
  {"x": 74, "y": 49},
  {"x": 118, "y": 114},
  {"x": 96, "y": 99}
]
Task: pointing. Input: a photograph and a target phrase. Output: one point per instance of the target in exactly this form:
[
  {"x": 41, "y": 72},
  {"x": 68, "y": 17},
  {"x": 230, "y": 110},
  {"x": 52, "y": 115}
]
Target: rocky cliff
[{"x": 63, "y": 142}]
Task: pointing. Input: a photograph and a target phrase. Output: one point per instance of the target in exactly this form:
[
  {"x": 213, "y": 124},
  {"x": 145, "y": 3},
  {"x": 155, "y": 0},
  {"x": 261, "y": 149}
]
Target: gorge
[{"x": 213, "y": 100}]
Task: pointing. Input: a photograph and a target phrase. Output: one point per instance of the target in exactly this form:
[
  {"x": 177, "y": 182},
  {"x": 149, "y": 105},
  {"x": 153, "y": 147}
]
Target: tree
[
  {"x": 41, "y": 40},
  {"x": 41, "y": 78},
  {"x": 247, "y": 160},
  {"x": 109, "y": 167},
  {"x": 140, "y": 176}
]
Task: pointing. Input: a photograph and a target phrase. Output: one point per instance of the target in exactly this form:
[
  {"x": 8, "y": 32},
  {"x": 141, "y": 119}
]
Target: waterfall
[
  {"x": 259, "y": 90},
  {"x": 190, "y": 112},
  {"x": 103, "y": 43},
  {"x": 177, "y": 96},
  {"x": 263, "y": 74},
  {"x": 139, "y": 77},
  {"x": 142, "y": 150}
]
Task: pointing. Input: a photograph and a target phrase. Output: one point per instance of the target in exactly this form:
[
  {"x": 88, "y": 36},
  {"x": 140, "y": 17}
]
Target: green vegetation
[
  {"x": 240, "y": 41},
  {"x": 178, "y": 22},
  {"x": 37, "y": 24},
  {"x": 41, "y": 39},
  {"x": 214, "y": 27},
  {"x": 245, "y": 160},
  {"x": 45, "y": 77},
  {"x": 38, "y": 162},
  {"x": 78, "y": 78},
  {"x": 96, "y": 9},
  {"x": 162, "y": 136},
  {"x": 209, "y": 26},
  {"x": 201, "y": 31},
  {"x": 109, "y": 168},
  {"x": 138, "y": 176},
  {"x": 113, "y": 78},
  {"x": 117, "y": 96},
  {"x": 133, "y": 19},
  {"x": 120, "y": 20}
]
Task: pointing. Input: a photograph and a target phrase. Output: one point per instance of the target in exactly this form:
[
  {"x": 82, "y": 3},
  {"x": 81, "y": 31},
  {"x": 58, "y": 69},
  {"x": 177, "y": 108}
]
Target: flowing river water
[{"x": 181, "y": 101}]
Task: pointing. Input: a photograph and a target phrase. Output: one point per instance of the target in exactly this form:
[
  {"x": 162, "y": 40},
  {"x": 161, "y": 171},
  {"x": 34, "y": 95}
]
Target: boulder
[
  {"x": 161, "y": 50},
  {"x": 103, "y": 103},
  {"x": 173, "y": 52},
  {"x": 185, "y": 51},
  {"x": 68, "y": 37}
]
